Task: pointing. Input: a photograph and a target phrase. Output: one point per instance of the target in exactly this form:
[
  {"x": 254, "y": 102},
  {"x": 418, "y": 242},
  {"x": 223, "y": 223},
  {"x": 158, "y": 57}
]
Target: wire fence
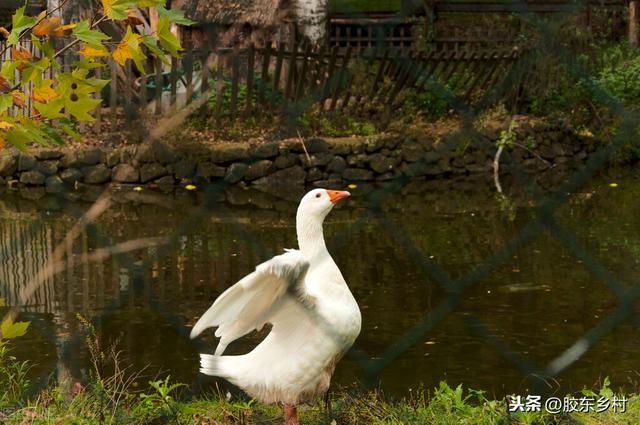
[{"x": 38, "y": 292}]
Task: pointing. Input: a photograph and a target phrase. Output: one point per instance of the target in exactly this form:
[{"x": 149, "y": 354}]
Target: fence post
[
  {"x": 235, "y": 76},
  {"x": 188, "y": 69},
  {"x": 174, "y": 84},
  {"x": 264, "y": 74},
  {"x": 219, "y": 82},
  {"x": 250, "y": 63},
  {"x": 278, "y": 71}
]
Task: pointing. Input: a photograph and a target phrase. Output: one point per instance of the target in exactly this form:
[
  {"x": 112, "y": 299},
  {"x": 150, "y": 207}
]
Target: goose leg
[{"x": 290, "y": 415}]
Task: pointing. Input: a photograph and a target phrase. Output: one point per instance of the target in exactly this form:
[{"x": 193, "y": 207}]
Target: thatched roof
[{"x": 257, "y": 13}]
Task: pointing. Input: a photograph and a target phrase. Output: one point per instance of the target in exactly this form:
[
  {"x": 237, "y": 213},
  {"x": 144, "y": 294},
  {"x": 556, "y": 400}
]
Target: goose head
[
  {"x": 316, "y": 204},
  {"x": 312, "y": 210}
]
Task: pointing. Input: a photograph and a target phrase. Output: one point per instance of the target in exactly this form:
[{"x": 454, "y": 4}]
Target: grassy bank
[{"x": 99, "y": 404}]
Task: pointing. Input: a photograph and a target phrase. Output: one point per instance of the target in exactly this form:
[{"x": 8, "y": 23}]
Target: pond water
[{"x": 503, "y": 330}]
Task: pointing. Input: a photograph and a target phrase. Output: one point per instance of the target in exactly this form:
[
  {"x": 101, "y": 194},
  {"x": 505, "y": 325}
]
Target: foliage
[
  {"x": 69, "y": 96},
  {"x": 508, "y": 137},
  {"x": 13, "y": 373},
  {"x": 336, "y": 124},
  {"x": 160, "y": 402}
]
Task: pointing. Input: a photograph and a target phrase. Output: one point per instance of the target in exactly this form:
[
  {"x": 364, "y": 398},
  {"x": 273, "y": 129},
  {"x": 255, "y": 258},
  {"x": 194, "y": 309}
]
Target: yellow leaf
[
  {"x": 48, "y": 27},
  {"x": 18, "y": 98},
  {"x": 90, "y": 51},
  {"x": 20, "y": 53},
  {"x": 44, "y": 93},
  {"x": 5, "y": 125},
  {"x": 128, "y": 48},
  {"x": 190, "y": 187},
  {"x": 67, "y": 27}
]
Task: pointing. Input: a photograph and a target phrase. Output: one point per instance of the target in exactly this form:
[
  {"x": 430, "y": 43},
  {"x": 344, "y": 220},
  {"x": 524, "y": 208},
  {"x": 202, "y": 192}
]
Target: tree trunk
[
  {"x": 311, "y": 16},
  {"x": 634, "y": 5}
]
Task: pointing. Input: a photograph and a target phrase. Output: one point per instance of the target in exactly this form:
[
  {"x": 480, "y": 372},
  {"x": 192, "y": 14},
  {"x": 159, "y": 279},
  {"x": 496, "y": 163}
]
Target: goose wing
[{"x": 248, "y": 304}]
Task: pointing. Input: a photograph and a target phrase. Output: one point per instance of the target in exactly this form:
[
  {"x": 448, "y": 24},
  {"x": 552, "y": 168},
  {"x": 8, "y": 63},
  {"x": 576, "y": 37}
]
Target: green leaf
[
  {"x": 167, "y": 39},
  {"x": 150, "y": 3},
  {"x": 67, "y": 126},
  {"x": 33, "y": 71},
  {"x": 87, "y": 63},
  {"x": 116, "y": 9},
  {"x": 52, "y": 134},
  {"x": 6, "y": 102},
  {"x": 81, "y": 107},
  {"x": 92, "y": 37},
  {"x": 19, "y": 23},
  {"x": 175, "y": 15},
  {"x": 34, "y": 132},
  {"x": 12, "y": 330},
  {"x": 8, "y": 70},
  {"x": 51, "y": 110},
  {"x": 152, "y": 45},
  {"x": 18, "y": 139}
]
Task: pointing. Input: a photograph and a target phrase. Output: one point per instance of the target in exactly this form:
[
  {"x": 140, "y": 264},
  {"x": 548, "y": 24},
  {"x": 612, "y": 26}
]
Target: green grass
[{"x": 444, "y": 405}]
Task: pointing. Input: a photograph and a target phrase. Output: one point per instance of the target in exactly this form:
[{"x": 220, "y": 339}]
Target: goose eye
[{"x": 317, "y": 195}]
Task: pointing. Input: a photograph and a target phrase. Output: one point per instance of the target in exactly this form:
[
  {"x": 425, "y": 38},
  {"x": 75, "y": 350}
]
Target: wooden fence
[
  {"x": 243, "y": 82},
  {"x": 284, "y": 79}
]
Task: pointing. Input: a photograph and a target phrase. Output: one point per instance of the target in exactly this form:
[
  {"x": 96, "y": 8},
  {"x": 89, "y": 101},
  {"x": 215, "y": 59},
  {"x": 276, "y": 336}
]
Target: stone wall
[{"x": 319, "y": 162}]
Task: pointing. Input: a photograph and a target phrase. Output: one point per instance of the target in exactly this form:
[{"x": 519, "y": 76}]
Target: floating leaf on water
[
  {"x": 190, "y": 187},
  {"x": 613, "y": 184},
  {"x": 352, "y": 186},
  {"x": 137, "y": 189}
]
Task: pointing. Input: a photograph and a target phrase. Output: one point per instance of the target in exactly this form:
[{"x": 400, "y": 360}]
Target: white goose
[{"x": 303, "y": 295}]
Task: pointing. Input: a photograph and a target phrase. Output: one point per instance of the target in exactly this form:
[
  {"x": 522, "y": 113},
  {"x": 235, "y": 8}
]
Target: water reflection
[{"x": 522, "y": 314}]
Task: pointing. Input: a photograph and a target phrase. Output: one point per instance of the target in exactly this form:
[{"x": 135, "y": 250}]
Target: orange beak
[{"x": 336, "y": 195}]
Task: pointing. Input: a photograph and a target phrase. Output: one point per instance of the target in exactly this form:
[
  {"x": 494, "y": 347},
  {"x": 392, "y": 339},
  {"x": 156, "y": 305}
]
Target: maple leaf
[
  {"x": 116, "y": 9},
  {"x": 44, "y": 92},
  {"x": 18, "y": 98},
  {"x": 92, "y": 52},
  {"x": 48, "y": 27},
  {"x": 20, "y": 55},
  {"x": 83, "y": 31},
  {"x": 129, "y": 48},
  {"x": 4, "y": 85},
  {"x": 67, "y": 27},
  {"x": 19, "y": 23}
]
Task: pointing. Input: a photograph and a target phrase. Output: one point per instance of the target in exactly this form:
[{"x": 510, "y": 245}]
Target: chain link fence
[{"x": 138, "y": 265}]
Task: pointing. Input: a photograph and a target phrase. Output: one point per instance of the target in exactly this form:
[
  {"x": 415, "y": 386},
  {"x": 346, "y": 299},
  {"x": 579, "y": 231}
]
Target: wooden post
[
  {"x": 174, "y": 84},
  {"x": 277, "y": 72},
  {"x": 235, "y": 76},
  {"x": 264, "y": 73},
  {"x": 250, "y": 64},
  {"x": 634, "y": 6},
  {"x": 219, "y": 82}
]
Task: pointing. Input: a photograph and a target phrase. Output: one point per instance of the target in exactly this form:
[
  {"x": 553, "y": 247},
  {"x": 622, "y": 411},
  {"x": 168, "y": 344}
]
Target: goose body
[{"x": 303, "y": 295}]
